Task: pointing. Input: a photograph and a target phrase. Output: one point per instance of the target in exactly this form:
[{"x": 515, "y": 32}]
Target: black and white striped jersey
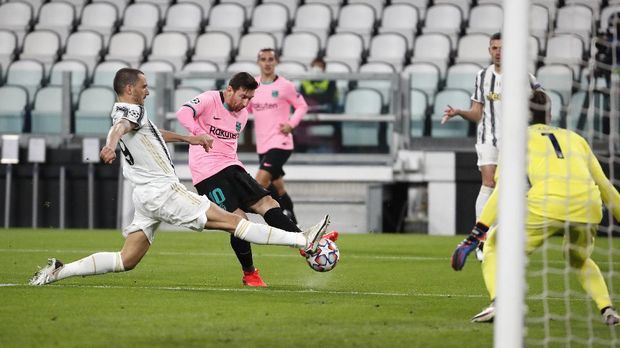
[
  {"x": 146, "y": 157},
  {"x": 488, "y": 92}
]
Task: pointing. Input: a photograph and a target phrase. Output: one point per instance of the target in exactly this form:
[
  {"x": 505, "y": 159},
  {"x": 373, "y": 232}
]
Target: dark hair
[
  {"x": 318, "y": 61},
  {"x": 540, "y": 107},
  {"x": 124, "y": 77},
  {"x": 268, "y": 49},
  {"x": 496, "y": 36},
  {"x": 243, "y": 80}
]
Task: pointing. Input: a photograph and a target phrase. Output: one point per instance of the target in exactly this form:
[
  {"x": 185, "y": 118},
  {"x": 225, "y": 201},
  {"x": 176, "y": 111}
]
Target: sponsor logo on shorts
[{"x": 266, "y": 164}]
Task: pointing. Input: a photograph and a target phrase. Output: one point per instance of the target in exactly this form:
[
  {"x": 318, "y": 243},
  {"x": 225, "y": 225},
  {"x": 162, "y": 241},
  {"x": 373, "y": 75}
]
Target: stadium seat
[
  {"x": 463, "y": 5},
  {"x": 577, "y": 20},
  {"x": 46, "y": 113},
  {"x": 462, "y": 76},
  {"x": 418, "y": 105},
  {"x": 540, "y": 21},
  {"x": 8, "y": 49},
  {"x": 382, "y": 86},
  {"x": 421, "y": 5},
  {"x": 314, "y": 18},
  {"x": 533, "y": 53},
  {"x": 127, "y": 46},
  {"x": 291, "y": 67},
  {"x": 13, "y": 108},
  {"x": 17, "y": 17},
  {"x": 359, "y": 19},
  {"x": 346, "y": 48},
  {"x": 92, "y": 116},
  {"x": 300, "y": 47},
  {"x": 457, "y": 98},
  {"x": 215, "y": 47},
  {"x": 341, "y": 85},
  {"x": 142, "y": 18},
  {"x": 291, "y": 6},
  {"x": 474, "y": 48},
  {"x": 251, "y": 43},
  {"x": 486, "y": 19},
  {"x": 205, "y": 6},
  {"x": 229, "y": 18},
  {"x": 162, "y": 5},
  {"x": 557, "y": 77},
  {"x": 606, "y": 14},
  {"x": 362, "y": 102},
  {"x": 172, "y": 47},
  {"x": 390, "y": 48},
  {"x": 445, "y": 19},
  {"x": 100, "y": 17},
  {"x": 153, "y": 67},
  {"x": 58, "y": 17},
  {"x": 185, "y": 18},
  {"x": 105, "y": 71},
  {"x": 433, "y": 48},
  {"x": 85, "y": 46},
  {"x": 272, "y": 19},
  {"x": 576, "y": 112},
  {"x": 593, "y": 5},
  {"x": 79, "y": 75},
  {"x": 246, "y": 66},
  {"x": 402, "y": 19},
  {"x": 29, "y": 74},
  {"x": 425, "y": 77},
  {"x": 557, "y": 105},
  {"x": 43, "y": 46},
  {"x": 566, "y": 49},
  {"x": 333, "y": 5},
  {"x": 199, "y": 82},
  {"x": 120, "y": 5},
  {"x": 248, "y": 5},
  {"x": 377, "y": 6}
]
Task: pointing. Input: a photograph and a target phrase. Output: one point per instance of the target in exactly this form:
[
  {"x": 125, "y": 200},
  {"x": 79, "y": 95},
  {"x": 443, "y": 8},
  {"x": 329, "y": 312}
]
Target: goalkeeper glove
[{"x": 469, "y": 244}]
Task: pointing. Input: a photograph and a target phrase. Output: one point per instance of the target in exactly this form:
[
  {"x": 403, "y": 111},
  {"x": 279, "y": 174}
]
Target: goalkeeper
[{"x": 566, "y": 186}]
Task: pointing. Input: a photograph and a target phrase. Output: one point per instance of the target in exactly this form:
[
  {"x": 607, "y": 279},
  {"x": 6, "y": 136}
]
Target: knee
[
  {"x": 129, "y": 263},
  {"x": 576, "y": 260}
]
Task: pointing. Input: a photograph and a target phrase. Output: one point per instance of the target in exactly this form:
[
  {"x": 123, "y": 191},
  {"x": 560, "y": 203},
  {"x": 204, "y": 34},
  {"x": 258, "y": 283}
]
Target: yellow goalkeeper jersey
[{"x": 566, "y": 181}]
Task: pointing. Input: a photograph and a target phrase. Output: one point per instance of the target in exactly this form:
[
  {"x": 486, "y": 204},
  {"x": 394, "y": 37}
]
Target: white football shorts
[
  {"x": 171, "y": 203},
  {"x": 487, "y": 154}
]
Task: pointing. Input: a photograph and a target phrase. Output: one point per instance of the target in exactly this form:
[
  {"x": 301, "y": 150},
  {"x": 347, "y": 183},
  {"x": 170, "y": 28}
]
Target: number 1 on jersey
[{"x": 556, "y": 145}]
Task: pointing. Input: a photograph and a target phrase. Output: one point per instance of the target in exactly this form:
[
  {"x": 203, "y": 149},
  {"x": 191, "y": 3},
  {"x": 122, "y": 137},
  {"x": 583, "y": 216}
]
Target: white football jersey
[
  {"x": 146, "y": 157},
  {"x": 488, "y": 92}
]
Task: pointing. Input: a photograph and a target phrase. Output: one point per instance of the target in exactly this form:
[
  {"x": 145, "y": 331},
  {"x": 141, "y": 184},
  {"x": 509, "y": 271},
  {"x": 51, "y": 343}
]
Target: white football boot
[
  {"x": 48, "y": 273},
  {"x": 314, "y": 234},
  {"x": 486, "y": 316},
  {"x": 610, "y": 317}
]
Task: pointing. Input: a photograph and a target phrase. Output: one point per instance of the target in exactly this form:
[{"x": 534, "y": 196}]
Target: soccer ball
[{"x": 326, "y": 257}]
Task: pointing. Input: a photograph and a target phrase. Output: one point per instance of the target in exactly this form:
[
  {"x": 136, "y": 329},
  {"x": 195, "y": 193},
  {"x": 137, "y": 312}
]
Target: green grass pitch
[{"x": 388, "y": 290}]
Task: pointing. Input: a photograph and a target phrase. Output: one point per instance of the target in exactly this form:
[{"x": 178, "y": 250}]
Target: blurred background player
[
  {"x": 273, "y": 126},
  {"x": 567, "y": 189},
  {"x": 219, "y": 174},
  {"x": 158, "y": 195},
  {"x": 486, "y": 110}
]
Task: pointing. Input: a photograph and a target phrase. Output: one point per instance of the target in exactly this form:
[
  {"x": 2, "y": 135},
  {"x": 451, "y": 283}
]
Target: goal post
[{"x": 510, "y": 301}]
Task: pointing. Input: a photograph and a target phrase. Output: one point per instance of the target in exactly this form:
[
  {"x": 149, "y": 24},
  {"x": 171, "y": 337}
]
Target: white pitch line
[{"x": 302, "y": 291}]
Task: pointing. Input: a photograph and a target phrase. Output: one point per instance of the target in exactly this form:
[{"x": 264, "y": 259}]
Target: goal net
[{"x": 558, "y": 312}]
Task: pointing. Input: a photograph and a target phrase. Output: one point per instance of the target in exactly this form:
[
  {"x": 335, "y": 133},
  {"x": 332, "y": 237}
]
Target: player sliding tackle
[
  {"x": 158, "y": 195},
  {"x": 567, "y": 189}
]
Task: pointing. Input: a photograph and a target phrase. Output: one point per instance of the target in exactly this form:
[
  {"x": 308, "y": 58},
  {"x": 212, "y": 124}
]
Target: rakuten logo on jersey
[
  {"x": 264, "y": 106},
  {"x": 222, "y": 134}
]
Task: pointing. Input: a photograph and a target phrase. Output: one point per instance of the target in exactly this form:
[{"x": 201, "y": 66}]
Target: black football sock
[
  {"x": 273, "y": 192},
  {"x": 287, "y": 204},
  {"x": 243, "y": 250},
  {"x": 275, "y": 217}
]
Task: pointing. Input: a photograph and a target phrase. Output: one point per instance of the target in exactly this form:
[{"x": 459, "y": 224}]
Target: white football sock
[
  {"x": 483, "y": 197},
  {"x": 263, "y": 234},
  {"x": 98, "y": 263}
]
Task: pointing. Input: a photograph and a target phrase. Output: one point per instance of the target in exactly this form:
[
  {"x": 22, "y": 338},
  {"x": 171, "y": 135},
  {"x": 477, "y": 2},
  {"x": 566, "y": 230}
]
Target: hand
[
  {"x": 203, "y": 140},
  {"x": 448, "y": 113},
  {"x": 286, "y": 128},
  {"x": 107, "y": 154},
  {"x": 469, "y": 244}
]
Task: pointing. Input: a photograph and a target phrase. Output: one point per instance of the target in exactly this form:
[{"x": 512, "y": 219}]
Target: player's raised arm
[
  {"x": 120, "y": 128},
  {"x": 203, "y": 140}
]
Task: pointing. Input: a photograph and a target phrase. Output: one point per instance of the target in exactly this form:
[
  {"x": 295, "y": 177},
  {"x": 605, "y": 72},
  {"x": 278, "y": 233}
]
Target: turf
[{"x": 388, "y": 290}]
